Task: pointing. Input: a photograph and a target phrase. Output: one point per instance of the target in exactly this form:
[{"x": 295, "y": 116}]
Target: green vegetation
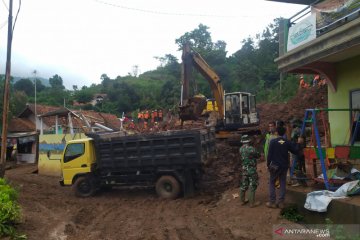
[
  {"x": 291, "y": 213},
  {"x": 338, "y": 232},
  {"x": 251, "y": 68},
  {"x": 9, "y": 211}
]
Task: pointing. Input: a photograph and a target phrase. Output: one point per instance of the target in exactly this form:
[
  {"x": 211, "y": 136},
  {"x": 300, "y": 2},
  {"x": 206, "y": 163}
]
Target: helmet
[{"x": 245, "y": 139}]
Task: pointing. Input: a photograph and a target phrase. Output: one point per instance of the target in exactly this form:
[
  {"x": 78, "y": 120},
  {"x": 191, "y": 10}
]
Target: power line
[
  {"x": 5, "y": 5},
  {"x": 164, "y": 13},
  {"x": 17, "y": 14}
]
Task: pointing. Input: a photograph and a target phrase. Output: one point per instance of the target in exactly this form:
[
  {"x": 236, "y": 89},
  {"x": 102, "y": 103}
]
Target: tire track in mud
[
  {"x": 145, "y": 217},
  {"x": 185, "y": 234},
  {"x": 52, "y": 212}
]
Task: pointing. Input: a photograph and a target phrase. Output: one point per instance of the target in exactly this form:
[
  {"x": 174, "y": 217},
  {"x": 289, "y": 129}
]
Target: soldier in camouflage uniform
[{"x": 249, "y": 180}]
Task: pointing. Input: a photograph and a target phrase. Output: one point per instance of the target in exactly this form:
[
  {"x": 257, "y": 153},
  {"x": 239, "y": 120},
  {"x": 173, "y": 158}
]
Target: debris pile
[{"x": 315, "y": 97}]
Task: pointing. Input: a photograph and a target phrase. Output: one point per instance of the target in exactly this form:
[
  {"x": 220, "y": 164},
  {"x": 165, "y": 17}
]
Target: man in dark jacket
[{"x": 278, "y": 164}]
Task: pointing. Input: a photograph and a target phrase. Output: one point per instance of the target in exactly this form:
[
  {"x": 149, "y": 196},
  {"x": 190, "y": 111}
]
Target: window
[
  {"x": 25, "y": 144},
  {"x": 73, "y": 151},
  {"x": 232, "y": 103},
  {"x": 355, "y": 104},
  {"x": 252, "y": 104},
  {"x": 245, "y": 104}
]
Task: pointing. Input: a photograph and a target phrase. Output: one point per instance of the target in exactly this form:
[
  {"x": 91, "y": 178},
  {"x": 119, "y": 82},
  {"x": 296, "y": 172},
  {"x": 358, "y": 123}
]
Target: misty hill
[{"x": 44, "y": 81}]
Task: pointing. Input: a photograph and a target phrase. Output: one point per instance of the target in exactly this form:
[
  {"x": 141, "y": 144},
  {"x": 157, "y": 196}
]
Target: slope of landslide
[{"x": 315, "y": 97}]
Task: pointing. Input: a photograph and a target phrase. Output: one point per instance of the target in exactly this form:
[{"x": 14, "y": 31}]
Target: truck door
[{"x": 75, "y": 161}]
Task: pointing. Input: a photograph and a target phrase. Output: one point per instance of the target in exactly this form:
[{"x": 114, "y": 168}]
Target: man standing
[
  {"x": 278, "y": 164},
  {"x": 249, "y": 179},
  {"x": 268, "y": 137}
]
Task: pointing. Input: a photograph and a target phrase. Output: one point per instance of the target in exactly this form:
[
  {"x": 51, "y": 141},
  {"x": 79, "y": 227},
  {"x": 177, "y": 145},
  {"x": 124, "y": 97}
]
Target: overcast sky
[{"x": 82, "y": 39}]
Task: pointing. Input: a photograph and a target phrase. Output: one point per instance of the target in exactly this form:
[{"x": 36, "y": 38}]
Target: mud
[{"x": 50, "y": 211}]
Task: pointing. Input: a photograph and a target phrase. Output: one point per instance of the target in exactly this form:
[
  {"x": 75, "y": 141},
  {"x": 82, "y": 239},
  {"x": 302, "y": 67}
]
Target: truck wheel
[
  {"x": 167, "y": 187},
  {"x": 84, "y": 187}
]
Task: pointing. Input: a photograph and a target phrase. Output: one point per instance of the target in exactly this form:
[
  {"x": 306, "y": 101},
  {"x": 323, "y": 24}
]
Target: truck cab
[{"x": 78, "y": 159}]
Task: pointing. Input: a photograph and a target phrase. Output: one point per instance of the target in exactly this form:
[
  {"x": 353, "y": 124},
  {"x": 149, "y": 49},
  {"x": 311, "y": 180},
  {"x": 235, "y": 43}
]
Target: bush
[
  {"x": 9, "y": 211},
  {"x": 291, "y": 213}
]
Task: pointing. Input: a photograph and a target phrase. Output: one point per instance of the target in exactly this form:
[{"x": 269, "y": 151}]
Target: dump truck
[{"x": 170, "y": 161}]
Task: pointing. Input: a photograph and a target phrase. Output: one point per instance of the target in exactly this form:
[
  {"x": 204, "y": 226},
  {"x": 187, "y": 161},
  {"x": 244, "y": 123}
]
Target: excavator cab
[{"x": 240, "y": 110}]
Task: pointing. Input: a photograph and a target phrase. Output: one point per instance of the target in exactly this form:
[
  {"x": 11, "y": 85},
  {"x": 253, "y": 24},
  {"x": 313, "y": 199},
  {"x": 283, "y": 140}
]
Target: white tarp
[{"x": 318, "y": 201}]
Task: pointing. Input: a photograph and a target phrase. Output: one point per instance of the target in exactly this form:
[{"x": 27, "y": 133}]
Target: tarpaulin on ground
[{"x": 318, "y": 201}]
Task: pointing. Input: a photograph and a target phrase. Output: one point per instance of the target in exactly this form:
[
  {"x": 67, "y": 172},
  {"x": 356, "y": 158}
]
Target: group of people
[
  {"x": 276, "y": 152},
  {"x": 317, "y": 81},
  {"x": 147, "y": 117}
]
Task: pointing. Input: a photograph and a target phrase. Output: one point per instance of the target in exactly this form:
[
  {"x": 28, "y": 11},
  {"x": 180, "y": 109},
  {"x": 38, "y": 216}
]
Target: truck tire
[
  {"x": 84, "y": 187},
  {"x": 167, "y": 187}
]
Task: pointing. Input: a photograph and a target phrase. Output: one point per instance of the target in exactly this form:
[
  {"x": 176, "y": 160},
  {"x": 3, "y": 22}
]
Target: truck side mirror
[{"x": 48, "y": 154}]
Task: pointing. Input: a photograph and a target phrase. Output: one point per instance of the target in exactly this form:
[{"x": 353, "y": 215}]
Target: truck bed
[{"x": 166, "y": 150}]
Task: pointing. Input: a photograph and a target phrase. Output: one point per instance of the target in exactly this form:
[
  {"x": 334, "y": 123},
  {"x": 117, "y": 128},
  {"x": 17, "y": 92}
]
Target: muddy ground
[{"x": 50, "y": 211}]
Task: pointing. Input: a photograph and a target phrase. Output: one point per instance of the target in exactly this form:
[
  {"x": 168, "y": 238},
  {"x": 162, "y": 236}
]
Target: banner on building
[{"x": 302, "y": 32}]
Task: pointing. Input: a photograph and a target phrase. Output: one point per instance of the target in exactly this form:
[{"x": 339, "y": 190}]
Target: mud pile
[{"x": 315, "y": 97}]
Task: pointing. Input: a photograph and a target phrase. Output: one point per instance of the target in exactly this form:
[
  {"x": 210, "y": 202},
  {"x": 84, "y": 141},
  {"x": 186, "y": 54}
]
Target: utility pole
[
  {"x": 36, "y": 122},
  {"x": 6, "y": 94}
]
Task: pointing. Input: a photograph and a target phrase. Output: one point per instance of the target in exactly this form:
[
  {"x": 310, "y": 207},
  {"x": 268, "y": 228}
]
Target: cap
[{"x": 245, "y": 139}]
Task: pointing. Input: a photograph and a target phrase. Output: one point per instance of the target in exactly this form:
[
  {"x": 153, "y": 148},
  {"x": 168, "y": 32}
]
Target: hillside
[{"x": 44, "y": 81}]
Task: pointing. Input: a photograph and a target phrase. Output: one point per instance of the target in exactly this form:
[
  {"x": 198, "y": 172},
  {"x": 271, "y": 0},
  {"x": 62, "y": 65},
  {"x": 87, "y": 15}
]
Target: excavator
[{"x": 236, "y": 111}]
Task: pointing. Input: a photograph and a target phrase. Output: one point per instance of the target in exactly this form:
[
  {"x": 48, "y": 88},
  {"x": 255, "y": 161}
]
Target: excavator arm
[
  {"x": 192, "y": 107},
  {"x": 214, "y": 81}
]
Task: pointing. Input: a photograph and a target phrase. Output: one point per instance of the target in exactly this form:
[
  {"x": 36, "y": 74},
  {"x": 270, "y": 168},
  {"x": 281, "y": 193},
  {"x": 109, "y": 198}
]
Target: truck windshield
[{"x": 73, "y": 151}]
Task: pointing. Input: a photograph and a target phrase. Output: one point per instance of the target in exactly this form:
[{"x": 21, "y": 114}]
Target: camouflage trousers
[{"x": 249, "y": 182}]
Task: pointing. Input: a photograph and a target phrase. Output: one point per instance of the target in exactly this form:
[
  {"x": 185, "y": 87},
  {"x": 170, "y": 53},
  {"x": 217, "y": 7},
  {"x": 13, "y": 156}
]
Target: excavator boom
[
  {"x": 192, "y": 107},
  {"x": 213, "y": 79}
]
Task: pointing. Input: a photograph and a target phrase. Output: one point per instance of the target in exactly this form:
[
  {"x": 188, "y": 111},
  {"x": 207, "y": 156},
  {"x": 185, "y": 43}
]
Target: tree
[
  {"x": 170, "y": 93},
  {"x": 18, "y": 102},
  {"x": 105, "y": 81},
  {"x": 213, "y": 53},
  {"x": 56, "y": 82},
  {"x": 39, "y": 86},
  {"x": 199, "y": 38},
  {"x": 25, "y": 85},
  {"x": 83, "y": 96}
]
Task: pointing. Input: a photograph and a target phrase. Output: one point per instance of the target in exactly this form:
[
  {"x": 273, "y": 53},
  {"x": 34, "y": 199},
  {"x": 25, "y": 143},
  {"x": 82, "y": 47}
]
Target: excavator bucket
[{"x": 192, "y": 108}]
